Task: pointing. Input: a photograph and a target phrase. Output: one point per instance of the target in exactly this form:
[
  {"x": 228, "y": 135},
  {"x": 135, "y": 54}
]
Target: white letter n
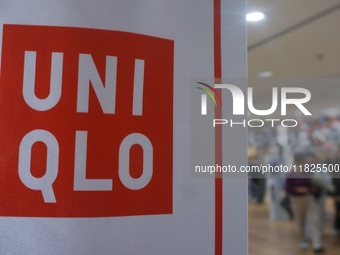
[{"x": 87, "y": 74}]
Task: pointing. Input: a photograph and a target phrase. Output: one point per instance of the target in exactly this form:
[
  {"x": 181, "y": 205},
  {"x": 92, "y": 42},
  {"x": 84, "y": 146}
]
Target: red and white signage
[
  {"x": 86, "y": 122},
  {"x": 94, "y": 127}
]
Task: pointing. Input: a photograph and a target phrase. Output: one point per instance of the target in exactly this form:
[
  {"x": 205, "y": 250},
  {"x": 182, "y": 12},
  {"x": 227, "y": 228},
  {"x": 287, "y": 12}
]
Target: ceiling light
[
  {"x": 265, "y": 74},
  {"x": 255, "y": 16}
]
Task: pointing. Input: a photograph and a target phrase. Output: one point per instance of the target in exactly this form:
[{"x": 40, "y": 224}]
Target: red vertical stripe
[{"x": 218, "y": 130}]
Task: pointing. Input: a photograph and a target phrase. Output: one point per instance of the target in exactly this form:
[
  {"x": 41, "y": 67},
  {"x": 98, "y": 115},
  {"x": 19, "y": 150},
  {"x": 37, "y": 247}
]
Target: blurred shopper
[
  {"x": 299, "y": 187},
  {"x": 337, "y": 205},
  {"x": 257, "y": 182},
  {"x": 334, "y": 164},
  {"x": 275, "y": 186},
  {"x": 257, "y": 187},
  {"x": 322, "y": 185}
]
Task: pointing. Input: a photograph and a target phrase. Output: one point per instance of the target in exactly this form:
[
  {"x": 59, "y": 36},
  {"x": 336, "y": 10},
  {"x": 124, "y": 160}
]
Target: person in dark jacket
[{"x": 299, "y": 187}]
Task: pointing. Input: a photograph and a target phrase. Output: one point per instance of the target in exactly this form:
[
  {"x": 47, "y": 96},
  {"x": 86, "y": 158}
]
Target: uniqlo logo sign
[{"x": 86, "y": 123}]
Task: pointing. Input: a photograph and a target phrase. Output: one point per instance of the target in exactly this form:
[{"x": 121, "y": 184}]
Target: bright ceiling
[{"x": 300, "y": 38}]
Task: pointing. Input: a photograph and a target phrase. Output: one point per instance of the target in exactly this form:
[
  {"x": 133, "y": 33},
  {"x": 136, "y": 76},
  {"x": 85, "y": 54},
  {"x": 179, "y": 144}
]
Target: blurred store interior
[{"x": 295, "y": 42}]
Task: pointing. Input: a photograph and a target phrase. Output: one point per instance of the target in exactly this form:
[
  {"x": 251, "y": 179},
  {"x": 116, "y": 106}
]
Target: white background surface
[{"x": 190, "y": 229}]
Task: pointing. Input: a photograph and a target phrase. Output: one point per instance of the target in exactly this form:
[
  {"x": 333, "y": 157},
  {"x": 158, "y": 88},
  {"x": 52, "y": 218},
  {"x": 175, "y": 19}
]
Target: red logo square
[{"x": 86, "y": 123}]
